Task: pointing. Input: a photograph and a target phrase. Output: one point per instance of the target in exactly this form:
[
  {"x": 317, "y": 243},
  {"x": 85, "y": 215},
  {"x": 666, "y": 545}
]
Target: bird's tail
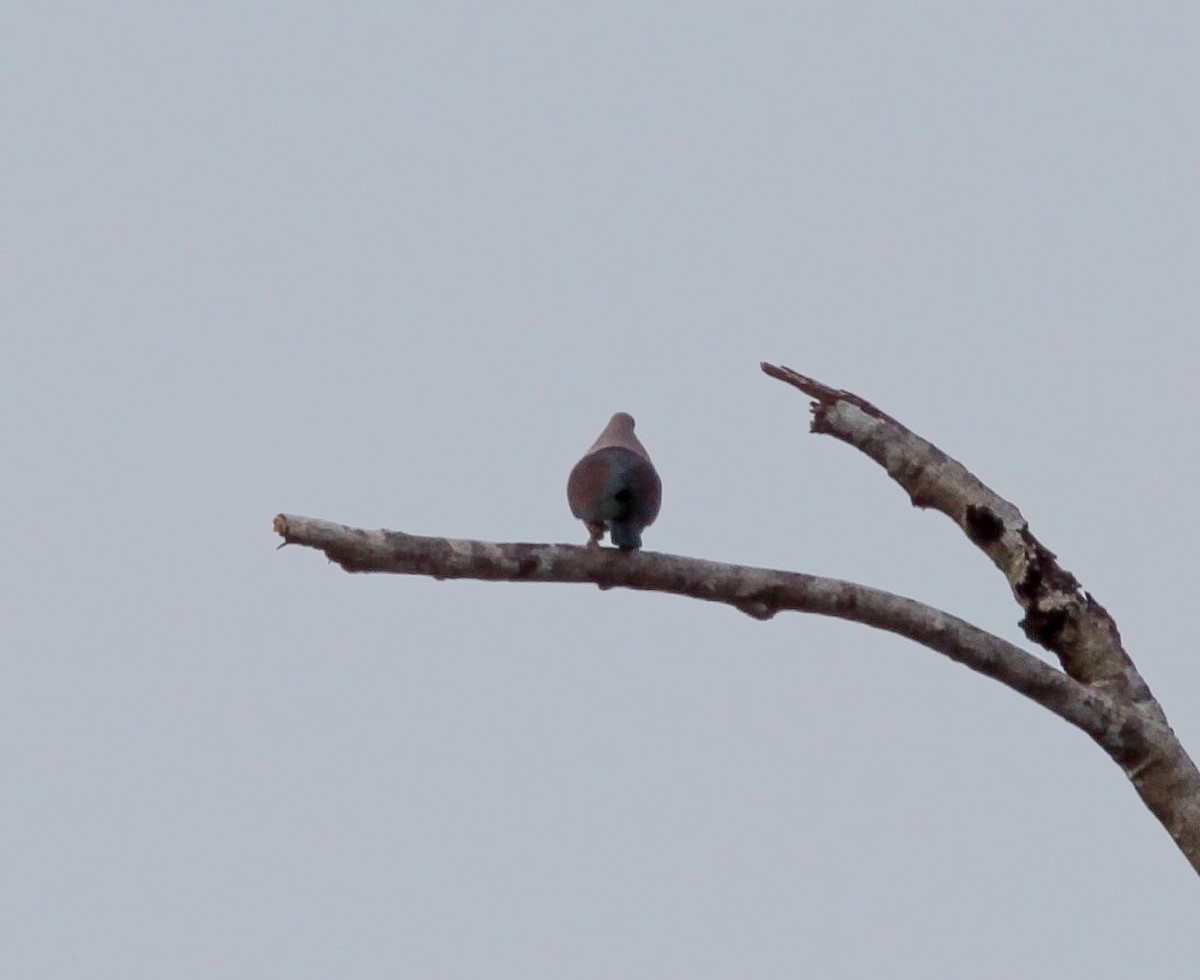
[{"x": 626, "y": 535}]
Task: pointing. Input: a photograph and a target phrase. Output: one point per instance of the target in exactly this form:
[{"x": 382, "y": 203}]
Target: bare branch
[
  {"x": 758, "y": 592},
  {"x": 1059, "y": 615},
  {"x": 1101, "y": 692}
]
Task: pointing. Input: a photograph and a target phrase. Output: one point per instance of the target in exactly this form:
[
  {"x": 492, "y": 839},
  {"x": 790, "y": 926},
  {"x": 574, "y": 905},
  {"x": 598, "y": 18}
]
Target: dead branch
[
  {"x": 1099, "y": 689},
  {"x": 758, "y": 592},
  {"x": 1059, "y": 615}
]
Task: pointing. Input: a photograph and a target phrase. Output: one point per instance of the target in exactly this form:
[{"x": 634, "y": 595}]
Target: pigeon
[{"x": 615, "y": 487}]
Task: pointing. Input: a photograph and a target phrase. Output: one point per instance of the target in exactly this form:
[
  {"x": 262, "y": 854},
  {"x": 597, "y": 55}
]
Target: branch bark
[
  {"x": 1059, "y": 615},
  {"x": 1099, "y": 689}
]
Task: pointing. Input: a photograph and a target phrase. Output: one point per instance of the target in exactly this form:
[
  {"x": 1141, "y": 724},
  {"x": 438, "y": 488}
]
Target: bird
[{"x": 615, "y": 487}]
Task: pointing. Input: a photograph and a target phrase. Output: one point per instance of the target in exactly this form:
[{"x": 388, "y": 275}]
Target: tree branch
[
  {"x": 1059, "y": 615},
  {"x": 758, "y": 592},
  {"x": 1101, "y": 691}
]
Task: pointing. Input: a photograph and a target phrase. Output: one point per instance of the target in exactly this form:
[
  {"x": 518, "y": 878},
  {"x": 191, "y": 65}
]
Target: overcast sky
[{"x": 395, "y": 265}]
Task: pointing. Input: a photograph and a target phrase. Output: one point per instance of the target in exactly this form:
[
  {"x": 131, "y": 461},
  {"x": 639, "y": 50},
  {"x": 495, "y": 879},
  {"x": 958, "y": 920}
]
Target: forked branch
[{"x": 1099, "y": 690}]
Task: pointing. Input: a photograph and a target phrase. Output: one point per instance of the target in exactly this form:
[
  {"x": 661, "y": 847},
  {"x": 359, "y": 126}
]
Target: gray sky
[{"x": 395, "y": 265}]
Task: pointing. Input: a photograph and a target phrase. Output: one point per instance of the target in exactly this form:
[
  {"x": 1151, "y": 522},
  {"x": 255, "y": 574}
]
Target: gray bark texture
[{"x": 1098, "y": 689}]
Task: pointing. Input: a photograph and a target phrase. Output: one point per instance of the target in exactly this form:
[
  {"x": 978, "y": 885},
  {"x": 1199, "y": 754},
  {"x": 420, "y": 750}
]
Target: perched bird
[{"x": 615, "y": 487}]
